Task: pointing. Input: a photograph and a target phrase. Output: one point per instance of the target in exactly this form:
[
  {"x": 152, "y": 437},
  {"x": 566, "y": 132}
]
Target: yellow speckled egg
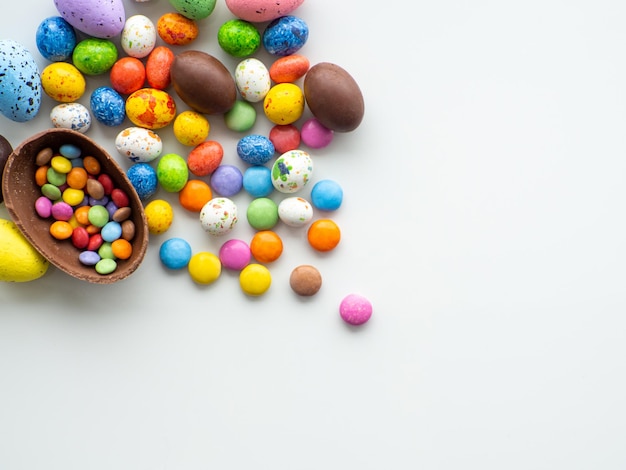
[
  {"x": 284, "y": 103},
  {"x": 150, "y": 108},
  {"x": 63, "y": 82},
  {"x": 191, "y": 128}
]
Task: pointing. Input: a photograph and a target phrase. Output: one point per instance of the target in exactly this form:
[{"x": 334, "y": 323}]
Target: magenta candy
[
  {"x": 235, "y": 254},
  {"x": 315, "y": 135},
  {"x": 62, "y": 211},
  {"x": 355, "y": 309},
  {"x": 43, "y": 206}
]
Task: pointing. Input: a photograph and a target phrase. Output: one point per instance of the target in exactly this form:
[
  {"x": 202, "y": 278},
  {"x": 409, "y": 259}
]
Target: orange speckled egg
[
  {"x": 176, "y": 29},
  {"x": 150, "y": 108},
  {"x": 158, "y": 66}
]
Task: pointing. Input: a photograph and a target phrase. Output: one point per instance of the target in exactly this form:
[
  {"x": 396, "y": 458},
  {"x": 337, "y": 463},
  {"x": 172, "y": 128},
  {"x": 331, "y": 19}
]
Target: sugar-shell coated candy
[
  {"x": 258, "y": 11},
  {"x": 97, "y": 18},
  {"x": 176, "y": 29},
  {"x": 305, "y": 280},
  {"x": 73, "y": 116},
  {"x": 219, "y": 216},
  {"x": 143, "y": 178},
  {"x": 138, "y": 144},
  {"x": 284, "y": 103},
  {"x": 127, "y": 75},
  {"x": 239, "y": 38},
  {"x": 315, "y": 135},
  {"x": 172, "y": 172},
  {"x": 295, "y": 211},
  {"x": 107, "y": 106},
  {"x": 289, "y": 68},
  {"x": 262, "y": 213},
  {"x": 257, "y": 181},
  {"x": 285, "y": 137},
  {"x": 194, "y": 9},
  {"x": 292, "y": 171},
  {"x": 175, "y": 253},
  {"x": 327, "y": 195},
  {"x": 138, "y": 36},
  {"x": 255, "y": 149},
  {"x": 94, "y": 56},
  {"x": 241, "y": 117},
  {"x": 255, "y": 279},
  {"x": 227, "y": 180},
  {"x": 355, "y": 309},
  {"x": 285, "y": 35},
  {"x": 158, "y": 66},
  {"x": 55, "y": 39},
  {"x": 204, "y": 158},
  {"x": 252, "y": 79},
  {"x": 150, "y": 108},
  {"x": 235, "y": 254}
]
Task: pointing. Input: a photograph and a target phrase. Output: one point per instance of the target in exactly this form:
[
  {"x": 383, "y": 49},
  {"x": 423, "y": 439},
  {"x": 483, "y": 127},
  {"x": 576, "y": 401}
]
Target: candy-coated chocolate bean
[
  {"x": 324, "y": 235},
  {"x": 355, "y": 309},
  {"x": 61, "y": 230},
  {"x": 43, "y": 206},
  {"x": 262, "y": 213},
  {"x": 175, "y": 253},
  {"x": 266, "y": 246},
  {"x": 305, "y": 280},
  {"x": 235, "y": 254},
  {"x": 255, "y": 279},
  {"x": 204, "y": 267},
  {"x": 106, "y": 266},
  {"x": 127, "y": 75},
  {"x": 89, "y": 258},
  {"x": 80, "y": 237},
  {"x": 289, "y": 68}
]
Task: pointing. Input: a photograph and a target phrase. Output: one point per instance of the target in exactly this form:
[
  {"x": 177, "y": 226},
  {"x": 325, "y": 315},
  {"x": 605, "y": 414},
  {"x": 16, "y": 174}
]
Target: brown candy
[
  {"x": 334, "y": 97},
  {"x": 305, "y": 280},
  {"x": 203, "y": 82}
]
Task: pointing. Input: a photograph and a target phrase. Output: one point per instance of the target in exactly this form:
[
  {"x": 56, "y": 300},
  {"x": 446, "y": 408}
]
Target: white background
[{"x": 483, "y": 217}]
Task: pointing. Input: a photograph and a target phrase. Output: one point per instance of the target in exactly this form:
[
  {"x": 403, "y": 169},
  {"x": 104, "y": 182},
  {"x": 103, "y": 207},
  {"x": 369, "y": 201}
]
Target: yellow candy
[
  {"x": 284, "y": 103},
  {"x": 159, "y": 216},
  {"x": 61, "y": 164},
  {"x": 73, "y": 196},
  {"x": 204, "y": 267},
  {"x": 63, "y": 82},
  {"x": 255, "y": 279},
  {"x": 19, "y": 260},
  {"x": 150, "y": 108},
  {"x": 191, "y": 128}
]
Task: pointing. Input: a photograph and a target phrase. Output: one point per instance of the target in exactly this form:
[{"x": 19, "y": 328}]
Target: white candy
[
  {"x": 139, "y": 36},
  {"x": 295, "y": 211},
  {"x": 252, "y": 79},
  {"x": 73, "y": 116},
  {"x": 138, "y": 144}
]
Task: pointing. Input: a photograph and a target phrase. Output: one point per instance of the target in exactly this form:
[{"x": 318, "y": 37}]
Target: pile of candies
[{"x": 141, "y": 81}]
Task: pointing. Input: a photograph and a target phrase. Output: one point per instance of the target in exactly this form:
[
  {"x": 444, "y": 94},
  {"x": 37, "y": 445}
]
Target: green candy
[
  {"x": 106, "y": 266},
  {"x": 94, "y": 56},
  {"x": 172, "y": 172},
  {"x": 194, "y": 9},
  {"x": 239, "y": 38},
  {"x": 262, "y": 213},
  {"x": 241, "y": 117}
]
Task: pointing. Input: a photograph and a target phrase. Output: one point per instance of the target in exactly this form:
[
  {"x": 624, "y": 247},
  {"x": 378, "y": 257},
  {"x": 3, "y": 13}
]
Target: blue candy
[
  {"x": 108, "y": 106},
  {"x": 143, "y": 178},
  {"x": 175, "y": 253},
  {"x": 257, "y": 181},
  {"x": 111, "y": 231},
  {"x": 56, "y": 39},
  {"x": 327, "y": 195},
  {"x": 89, "y": 258},
  {"x": 255, "y": 149},
  {"x": 285, "y": 35}
]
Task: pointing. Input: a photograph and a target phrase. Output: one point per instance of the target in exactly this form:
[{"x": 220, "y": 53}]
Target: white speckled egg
[
  {"x": 252, "y": 79},
  {"x": 138, "y": 37},
  {"x": 292, "y": 171},
  {"x": 73, "y": 116},
  {"x": 295, "y": 211},
  {"x": 138, "y": 144},
  {"x": 20, "y": 82}
]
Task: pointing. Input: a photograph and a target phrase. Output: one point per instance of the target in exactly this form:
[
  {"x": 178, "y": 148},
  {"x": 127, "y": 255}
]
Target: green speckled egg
[
  {"x": 94, "y": 56},
  {"x": 239, "y": 38},
  {"x": 172, "y": 172},
  {"x": 194, "y": 9}
]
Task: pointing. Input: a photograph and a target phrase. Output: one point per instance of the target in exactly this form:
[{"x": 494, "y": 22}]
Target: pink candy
[{"x": 355, "y": 309}]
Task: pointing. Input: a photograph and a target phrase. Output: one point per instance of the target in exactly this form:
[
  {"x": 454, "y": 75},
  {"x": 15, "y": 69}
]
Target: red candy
[
  {"x": 80, "y": 237},
  {"x": 289, "y": 68},
  {"x": 120, "y": 198},
  {"x": 106, "y": 182},
  {"x": 205, "y": 157},
  {"x": 127, "y": 75},
  {"x": 285, "y": 137},
  {"x": 158, "y": 66}
]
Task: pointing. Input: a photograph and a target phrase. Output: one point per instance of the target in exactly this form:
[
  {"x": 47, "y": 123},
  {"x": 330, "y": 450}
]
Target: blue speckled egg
[
  {"x": 255, "y": 149},
  {"x": 56, "y": 39},
  {"x": 285, "y": 35},
  {"x": 143, "y": 178},
  {"x": 257, "y": 181},
  {"x": 73, "y": 116},
  {"x": 107, "y": 106},
  {"x": 20, "y": 86}
]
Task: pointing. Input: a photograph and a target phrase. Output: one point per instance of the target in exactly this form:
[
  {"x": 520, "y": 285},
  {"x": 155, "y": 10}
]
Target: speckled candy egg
[
  {"x": 172, "y": 172},
  {"x": 284, "y": 103},
  {"x": 295, "y": 211},
  {"x": 194, "y": 9},
  {"x": 219, "y": 216},
  {"x": 107, "y": 106},
  {"x": 258, "y": 11},
  {"x": 252, "y": 79},
  {"x": 20, "y": 87},
  {"x": 239, "y": 38},
  {"x": 97, "y": 18},
  {"x": 285, "y": 35},
  {"x": 176, "y": 29},
  {"x": 73, "y": 116},
  {"x": 94, "y": 56},
  {"x": 138, "y": 37},
  {"x": 292, "y": 171},
  {"x": 150, "y": 108},
  {"x": 63, "y": 82},
  {"x": 255, "y": 149},
  {"x": 56, "y": 39},
  {"x": 138, "y": 144}
]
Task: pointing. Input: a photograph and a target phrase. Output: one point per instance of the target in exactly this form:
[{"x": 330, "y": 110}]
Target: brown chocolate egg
[
  {"x": 334, "y": 97},
  {"x": 203, "y": 82},
  {"x": 5, "y": 150}
]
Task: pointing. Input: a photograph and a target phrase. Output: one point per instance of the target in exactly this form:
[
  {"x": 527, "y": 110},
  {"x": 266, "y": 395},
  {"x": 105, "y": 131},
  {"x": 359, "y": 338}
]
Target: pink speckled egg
[
  {"x": 97, "y": 18},
  {"x": 257, "y": 11}
]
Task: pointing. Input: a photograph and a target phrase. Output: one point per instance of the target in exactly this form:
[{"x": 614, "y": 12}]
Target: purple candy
[
  {"x": 43, "y": 206},
  {"x": 227, "y": 180},
  {"x": 61, "y": 211}
]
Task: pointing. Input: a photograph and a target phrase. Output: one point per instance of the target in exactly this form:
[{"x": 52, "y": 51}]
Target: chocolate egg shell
[
  {"x": 21, "y": 191},
  {"x": 334, "y": 97},
  {"x": 203, "y": 82},
  {"x": 5, "y": 150}
]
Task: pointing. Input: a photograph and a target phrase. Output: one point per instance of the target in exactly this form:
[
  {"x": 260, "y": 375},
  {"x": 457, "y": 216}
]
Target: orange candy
[
  {"x": 176, "y": 29},
  {"x": 61, "y": 230},
  {"x": 41, "y": 175},
  {"x": 77, "y": 178},
  {"x": 92, "y": 165},
  {"x": 289, "y": 68},
  {"x": 266, "y": 246},
  {"x": 121, "y": 248},
  {"x": 158, "y": 66},
  {"x": 127, "y": 75},
  {"x": 324, "y": 235},
  {"x": 194, "y": 195},
  {"x": 82, "y": 215},
  {"x": 205, "y": 157}
]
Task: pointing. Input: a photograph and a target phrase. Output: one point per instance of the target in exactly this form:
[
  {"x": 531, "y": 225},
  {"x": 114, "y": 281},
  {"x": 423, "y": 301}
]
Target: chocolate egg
[
  {"x": 203, "y": 82},
  {"x": 334, "y": 97},
  {"x": 5, "y": 150}
]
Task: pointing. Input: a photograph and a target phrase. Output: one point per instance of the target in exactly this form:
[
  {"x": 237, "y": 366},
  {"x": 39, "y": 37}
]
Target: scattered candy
[
  {"x": 175, "y": 253},
  {"x": 239, "y": 38},
  {"x": 305, "y": 280},
  {"x": 324, "y": 235},
  {"x": 204, "y": 267},
  {"x": 255, "y": 279},
  {"x": 355, "y": 309},
  {"x": 266, "y": 246},
  {"x": 327, "y": 195},
  {"x": 218, "y": 216},
  {"x": 262, "y": 213},
  {"x": 235, "y": 254},
  {"x": 159, "y": 216}
]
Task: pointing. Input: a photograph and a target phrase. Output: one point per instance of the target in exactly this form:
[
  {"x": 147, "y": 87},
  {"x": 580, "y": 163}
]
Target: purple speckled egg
[
  {"x": 257, "y": 11},
  {"x": 97, "y": 18}
]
